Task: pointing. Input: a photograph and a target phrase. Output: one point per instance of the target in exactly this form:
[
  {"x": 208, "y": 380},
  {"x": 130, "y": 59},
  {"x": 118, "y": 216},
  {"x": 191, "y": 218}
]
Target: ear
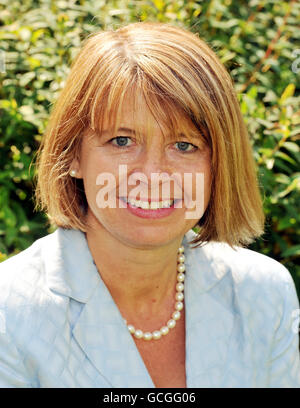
[{"x": 75, "y": 165}]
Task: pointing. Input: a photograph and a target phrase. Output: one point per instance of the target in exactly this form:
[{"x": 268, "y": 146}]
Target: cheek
[
  {"x": 202, "y": 184},
  {"x": 89, "y": 178},
  {"x": 90, "y": 171},
  {"x": 92, "y": 164}
]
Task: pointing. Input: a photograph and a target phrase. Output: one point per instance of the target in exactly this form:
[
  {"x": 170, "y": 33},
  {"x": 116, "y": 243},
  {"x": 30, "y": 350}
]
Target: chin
[{"x": 150, "y": 237}]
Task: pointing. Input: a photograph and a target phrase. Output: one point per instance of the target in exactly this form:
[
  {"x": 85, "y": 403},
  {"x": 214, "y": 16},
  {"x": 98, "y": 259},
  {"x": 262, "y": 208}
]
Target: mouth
[{"x": 149, "y": 205}]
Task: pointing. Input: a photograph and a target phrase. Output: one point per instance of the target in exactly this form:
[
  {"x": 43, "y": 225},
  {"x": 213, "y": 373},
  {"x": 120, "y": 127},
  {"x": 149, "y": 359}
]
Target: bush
[{"x": 257, "y": 41}]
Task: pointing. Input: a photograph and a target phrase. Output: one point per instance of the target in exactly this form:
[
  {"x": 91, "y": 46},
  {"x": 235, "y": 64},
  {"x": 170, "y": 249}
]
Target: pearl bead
[
  {"x": 179, "y": 306},
  {"x": 181, "y": 258},
  {"x": 176, "y": 315},
  {"x": 147, "y": 336},
  {"x": 138, "y": 334},
  {"x": 180, "y": 277},
  {"x": 181, "y": 268},
  {"x": 156, "y": 335},
  {"x": 73, "y": 173},
  {"x": 164, "y": 330},
  {"x": 180, "y": 287},
  {"x": 171, "y": 323},
  {"x": 179, "y": 296}
]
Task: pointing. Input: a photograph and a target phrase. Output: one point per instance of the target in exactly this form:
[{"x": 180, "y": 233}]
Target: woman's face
[{"x": 115, "y": 170}]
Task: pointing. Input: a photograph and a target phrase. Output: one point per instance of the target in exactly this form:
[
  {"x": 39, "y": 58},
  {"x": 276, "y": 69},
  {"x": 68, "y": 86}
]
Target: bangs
[{"x": 174, "y": 117}]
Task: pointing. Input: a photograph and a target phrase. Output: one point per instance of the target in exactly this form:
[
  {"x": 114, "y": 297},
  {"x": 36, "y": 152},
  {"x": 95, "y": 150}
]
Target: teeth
[
  {"x": 154, "y": 205},
  {"x": 150, "y": 206},
  {"x": 144, "y": 205},
  {"x": 166, "y": 204}
]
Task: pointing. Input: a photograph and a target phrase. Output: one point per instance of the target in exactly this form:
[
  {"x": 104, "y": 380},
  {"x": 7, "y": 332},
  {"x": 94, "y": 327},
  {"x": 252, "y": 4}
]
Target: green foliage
[{"x": 256, "y": 40}]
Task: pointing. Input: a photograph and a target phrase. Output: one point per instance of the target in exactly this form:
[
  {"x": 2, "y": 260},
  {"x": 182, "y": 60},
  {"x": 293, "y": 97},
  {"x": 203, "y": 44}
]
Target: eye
[
  {"x": 120, "y": 141},
  {"x": 186, "y": 147}
]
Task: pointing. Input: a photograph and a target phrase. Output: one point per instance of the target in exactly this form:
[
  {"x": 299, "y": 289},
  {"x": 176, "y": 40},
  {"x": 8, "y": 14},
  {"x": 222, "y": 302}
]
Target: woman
[{"x": 145, "y": 154}]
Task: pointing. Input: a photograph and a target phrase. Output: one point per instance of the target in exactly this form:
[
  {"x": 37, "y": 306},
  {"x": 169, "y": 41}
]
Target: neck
[{"x": 140, "y": 280}]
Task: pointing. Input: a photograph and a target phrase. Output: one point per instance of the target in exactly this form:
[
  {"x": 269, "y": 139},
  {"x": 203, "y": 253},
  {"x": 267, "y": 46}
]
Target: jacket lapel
[
  {"x": 209, "y": 318},
  {"x": 104, "y": 337},
  {"x": 100, "y": 329}
]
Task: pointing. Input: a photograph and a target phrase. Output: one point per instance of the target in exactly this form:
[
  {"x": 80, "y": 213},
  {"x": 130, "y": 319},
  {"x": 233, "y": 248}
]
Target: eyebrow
[
  {"x": 128, "y": 130},
  {"x": 122, "y": 129},
  {"x": 133, "y": 132}
]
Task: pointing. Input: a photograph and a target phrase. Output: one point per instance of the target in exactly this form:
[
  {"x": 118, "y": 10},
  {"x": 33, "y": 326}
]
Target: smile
[{"x": 145, "y": 205}]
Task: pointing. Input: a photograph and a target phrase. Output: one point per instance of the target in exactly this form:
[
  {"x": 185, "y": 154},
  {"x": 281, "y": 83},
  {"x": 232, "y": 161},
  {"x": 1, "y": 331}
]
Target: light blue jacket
[{"x": 59, "y": 326}]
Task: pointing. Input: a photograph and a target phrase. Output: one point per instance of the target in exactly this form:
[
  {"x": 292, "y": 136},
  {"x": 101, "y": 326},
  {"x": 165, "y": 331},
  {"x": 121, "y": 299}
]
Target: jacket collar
[
  {"x": 71, "y": 270},
  {"x": 206, "y": 265},
  {"x": 69, "y": 265}
]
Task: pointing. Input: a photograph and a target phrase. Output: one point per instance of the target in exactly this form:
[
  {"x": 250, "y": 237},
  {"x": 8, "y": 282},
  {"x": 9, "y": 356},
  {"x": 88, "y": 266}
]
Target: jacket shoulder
[
  {"x": 23, "y": 280},
  {"x": 19, "y": 265},
  {"x": 250, "y": 276},
  {"x": 255, "y": 286},
  {"x": 248, "y": 265}
]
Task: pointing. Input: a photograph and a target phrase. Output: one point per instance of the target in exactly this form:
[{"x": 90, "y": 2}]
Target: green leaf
[
  {"x": 287, "y": 93},
  {"x": 292, "y": 251},
  {"x": 26, "y": 78},
  {"x": 282, "y": 178},
  {"x": 285, "y": 157},
  {"x": 9, "y": 217},
  {"x": 292, "y": 147},
  {"x": 10, "y": 235},
  {"x": 295, "y": 184}
]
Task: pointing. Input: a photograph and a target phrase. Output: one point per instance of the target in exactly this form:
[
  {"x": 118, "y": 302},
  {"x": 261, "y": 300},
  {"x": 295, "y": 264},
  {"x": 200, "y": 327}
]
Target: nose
[
  {"x": 153, "y": 158},
  {"x": 153, "y": 161},
  {"x": 152, "y": 171}
]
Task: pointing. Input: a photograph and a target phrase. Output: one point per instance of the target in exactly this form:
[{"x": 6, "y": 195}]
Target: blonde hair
[{"x": 175, "y": 70}]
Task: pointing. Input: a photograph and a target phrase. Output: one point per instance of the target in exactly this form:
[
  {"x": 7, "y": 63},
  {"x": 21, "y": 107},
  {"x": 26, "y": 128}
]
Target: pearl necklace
[{"x": 157, "y": 334}]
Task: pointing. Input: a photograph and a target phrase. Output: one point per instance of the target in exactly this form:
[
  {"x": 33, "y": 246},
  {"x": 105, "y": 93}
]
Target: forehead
[
  {"x": 149, "y": 115},
  {"x": 136, "y": 114}
]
